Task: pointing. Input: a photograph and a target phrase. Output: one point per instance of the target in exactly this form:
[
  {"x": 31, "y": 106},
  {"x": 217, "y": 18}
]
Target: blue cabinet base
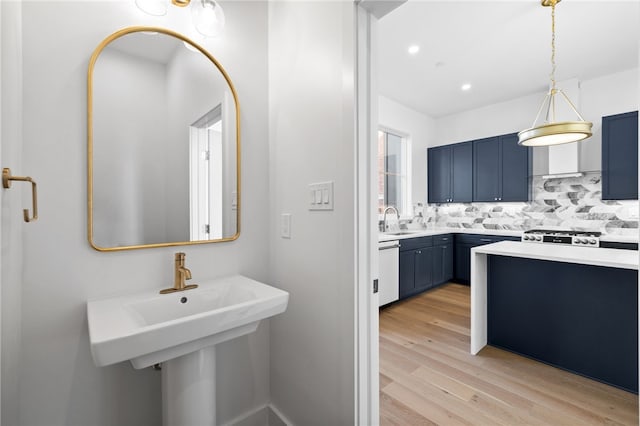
[{"x": 580, "y": 318}]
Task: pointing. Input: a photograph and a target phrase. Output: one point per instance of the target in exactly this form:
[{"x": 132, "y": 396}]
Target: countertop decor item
[{"x": 552, "y": 132}]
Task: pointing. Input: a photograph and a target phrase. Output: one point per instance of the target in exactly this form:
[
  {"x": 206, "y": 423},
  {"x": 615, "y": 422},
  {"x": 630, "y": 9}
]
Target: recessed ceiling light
[
  {"x": 414, "y": 49},
  {"x": 465, "y": 87}
]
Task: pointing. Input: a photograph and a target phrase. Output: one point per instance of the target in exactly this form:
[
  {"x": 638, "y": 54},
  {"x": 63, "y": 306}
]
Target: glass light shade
[
  {"x": 208, "y": 17},
  {"x": 153, "y": 7},
  {"x": 555, "y": 133}
]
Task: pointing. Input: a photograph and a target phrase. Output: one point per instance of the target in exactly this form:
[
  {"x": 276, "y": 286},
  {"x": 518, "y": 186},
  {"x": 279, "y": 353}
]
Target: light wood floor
[{"x": 427, "y": 375}]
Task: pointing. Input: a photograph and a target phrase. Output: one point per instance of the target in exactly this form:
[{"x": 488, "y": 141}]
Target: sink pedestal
[{"x": 189, "y": 389}]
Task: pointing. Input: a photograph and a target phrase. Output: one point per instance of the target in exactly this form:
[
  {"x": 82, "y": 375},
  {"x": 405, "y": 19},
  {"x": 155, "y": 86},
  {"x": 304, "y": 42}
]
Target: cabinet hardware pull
[
  {"x": 6, "y": 183},
  {"x": 486, "y": 240},
  {"x": 388, "y": 247}
]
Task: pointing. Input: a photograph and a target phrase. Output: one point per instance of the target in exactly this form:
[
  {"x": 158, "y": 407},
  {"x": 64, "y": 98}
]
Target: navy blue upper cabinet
[
  {"x": 515, "y": 169},
  {"x": 620, "y": 156},
  {"x": 501, "y": 169},
  {"x": 486, "y": 169},
  {"x": 439, "y": 171},
  {"x": 462, "y": 172},
  {"x": 450, "y": 173}
]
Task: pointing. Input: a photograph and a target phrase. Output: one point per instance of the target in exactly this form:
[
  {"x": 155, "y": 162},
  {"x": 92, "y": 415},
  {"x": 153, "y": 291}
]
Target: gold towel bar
[{"x": 6, "y": 183}]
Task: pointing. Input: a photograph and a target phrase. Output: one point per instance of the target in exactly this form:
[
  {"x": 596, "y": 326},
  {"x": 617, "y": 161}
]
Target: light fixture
[
  {"x": 413, "y": 49},
  {"x": 553, "y": 132},
  {"x": 207, "y": 15},
  {"x": 465, "y": 87}
]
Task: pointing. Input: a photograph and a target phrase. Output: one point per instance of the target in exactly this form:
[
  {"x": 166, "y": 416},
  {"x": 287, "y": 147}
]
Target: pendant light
[
  {"x": 553, "y": 132},
  {"x": 207, "y": 15}
]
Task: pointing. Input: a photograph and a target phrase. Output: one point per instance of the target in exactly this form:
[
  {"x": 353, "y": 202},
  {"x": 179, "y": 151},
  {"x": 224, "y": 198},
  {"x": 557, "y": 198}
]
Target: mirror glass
[{"x": 163, "y": 143}]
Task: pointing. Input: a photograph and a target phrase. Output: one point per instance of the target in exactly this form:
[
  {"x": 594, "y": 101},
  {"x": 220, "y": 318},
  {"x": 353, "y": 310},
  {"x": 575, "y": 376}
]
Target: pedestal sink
[{"x": 180, "y": 330}]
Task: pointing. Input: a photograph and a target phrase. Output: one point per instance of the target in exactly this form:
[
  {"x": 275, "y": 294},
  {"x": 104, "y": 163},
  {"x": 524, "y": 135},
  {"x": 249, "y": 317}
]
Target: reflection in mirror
[{"x": 163, "y": 143}]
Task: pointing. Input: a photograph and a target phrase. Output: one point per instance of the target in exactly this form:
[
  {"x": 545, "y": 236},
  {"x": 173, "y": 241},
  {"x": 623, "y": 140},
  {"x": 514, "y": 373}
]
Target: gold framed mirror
[{"x": 163, "y": 143}]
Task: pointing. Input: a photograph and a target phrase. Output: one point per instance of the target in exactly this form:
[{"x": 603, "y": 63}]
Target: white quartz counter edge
[
  {"x": 511, "y": 233},
  {"x": 613, "y": 258}
]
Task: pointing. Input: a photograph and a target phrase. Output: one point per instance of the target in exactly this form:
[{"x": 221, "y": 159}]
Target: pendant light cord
[{"x": 553, "y": 46}]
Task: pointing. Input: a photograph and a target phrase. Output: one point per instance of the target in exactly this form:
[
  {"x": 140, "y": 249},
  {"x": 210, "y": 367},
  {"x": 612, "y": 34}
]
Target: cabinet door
[
  {"x": 462, "y": 172},
  {"x": 515, "y": 169},
  {"x": 486, "y": 169},
  {"x": 620, "y": 157},
  {"x": 424, "y": 260},
  {"x": 447, "y": 262},
  {"x": 442, "y": 264},
  {"x": 439, "y": 174},
  {"x": 463, "y": 263},
  {"x": 437, "y": 268},
  {"x": 407, "y": 266}
]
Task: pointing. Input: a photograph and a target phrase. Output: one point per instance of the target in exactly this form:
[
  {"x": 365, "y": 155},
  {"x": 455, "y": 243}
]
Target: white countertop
[
  {"x": 613, "y": 258},
  {"x": 442, "y": 231},
  {"x": 512, "y": 233}
]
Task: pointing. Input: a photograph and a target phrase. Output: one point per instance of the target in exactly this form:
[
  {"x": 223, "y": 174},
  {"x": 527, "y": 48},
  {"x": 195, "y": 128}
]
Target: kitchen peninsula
[{"x": 572, "y": 307}]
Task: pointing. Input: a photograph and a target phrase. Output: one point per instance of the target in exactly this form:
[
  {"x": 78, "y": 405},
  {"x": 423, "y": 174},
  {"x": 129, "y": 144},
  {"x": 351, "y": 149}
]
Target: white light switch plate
[{"x": 321, "y": 196}]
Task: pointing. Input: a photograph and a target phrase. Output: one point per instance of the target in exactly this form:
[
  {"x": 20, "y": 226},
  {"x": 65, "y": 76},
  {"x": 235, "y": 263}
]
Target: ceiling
[{"x": 502, "y": 48}]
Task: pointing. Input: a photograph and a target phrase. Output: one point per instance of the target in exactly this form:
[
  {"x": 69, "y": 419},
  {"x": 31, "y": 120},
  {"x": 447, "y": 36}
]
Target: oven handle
[{"x": 388, "y": 247}]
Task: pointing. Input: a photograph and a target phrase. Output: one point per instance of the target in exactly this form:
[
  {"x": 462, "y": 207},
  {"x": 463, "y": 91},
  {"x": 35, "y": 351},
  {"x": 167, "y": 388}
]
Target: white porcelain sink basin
[{"x": 149, "y": 328}]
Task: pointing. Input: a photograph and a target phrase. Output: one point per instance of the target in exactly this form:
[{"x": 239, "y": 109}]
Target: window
[{"x": 393, "y": 168}]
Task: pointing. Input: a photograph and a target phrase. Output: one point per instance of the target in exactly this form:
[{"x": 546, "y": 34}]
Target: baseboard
[
  {"x": 265, "y": 415},
  {"x": 276, "y": 418}
]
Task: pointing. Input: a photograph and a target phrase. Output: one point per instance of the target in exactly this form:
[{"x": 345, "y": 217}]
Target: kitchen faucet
[
  {"x": 181, "y": 273},
  {"x": 384, "y": 217}
]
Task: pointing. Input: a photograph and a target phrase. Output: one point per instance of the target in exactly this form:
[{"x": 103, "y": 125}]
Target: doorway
[{"x": 206, "y": 177}]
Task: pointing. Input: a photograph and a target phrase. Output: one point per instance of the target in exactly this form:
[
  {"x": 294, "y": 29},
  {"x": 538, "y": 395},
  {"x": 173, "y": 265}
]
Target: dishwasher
[{"x": 388, "y": 272}]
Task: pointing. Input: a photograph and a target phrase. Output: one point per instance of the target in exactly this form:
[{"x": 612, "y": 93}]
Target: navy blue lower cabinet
[
  {"x": 580, "y": 318},
  {"x": 463, "y": 246},
  {"x": 423, "y": 278},
  {"x": 442, "y": 269},
  {"x": 406, "y": 279},
  {"x": 415, "y": 275}
]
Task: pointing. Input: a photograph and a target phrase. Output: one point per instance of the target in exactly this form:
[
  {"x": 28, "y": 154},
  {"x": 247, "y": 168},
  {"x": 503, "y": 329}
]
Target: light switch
[
  {"x": 285, "y": 225},
  {"x": 322, "y": 196}
]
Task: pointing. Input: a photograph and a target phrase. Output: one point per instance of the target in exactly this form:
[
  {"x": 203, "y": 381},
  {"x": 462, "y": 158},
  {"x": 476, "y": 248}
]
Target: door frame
[
  {"x": 366, "y": 333},
  {"x": 367, "y": 382},
  {"x": 367, "y": 409}
]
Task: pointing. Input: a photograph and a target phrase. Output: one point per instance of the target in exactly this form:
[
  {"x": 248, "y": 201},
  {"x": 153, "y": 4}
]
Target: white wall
[
  {"x": 421, "y": 130},
  {"x": 611, "y": 94},
  {"x": 58, "y": 383},
  {"x": 311, "y": 138},
  {"x": 12, "y": 205},
  {"x": 130, "y": 138}
]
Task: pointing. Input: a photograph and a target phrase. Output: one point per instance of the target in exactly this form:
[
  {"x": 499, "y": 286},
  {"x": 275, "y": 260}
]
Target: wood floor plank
[{"x": 428, "y": 373}]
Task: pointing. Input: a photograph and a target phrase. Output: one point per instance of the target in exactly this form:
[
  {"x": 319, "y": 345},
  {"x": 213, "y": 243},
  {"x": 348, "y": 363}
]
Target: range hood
[{"x": 564, "y": 159}]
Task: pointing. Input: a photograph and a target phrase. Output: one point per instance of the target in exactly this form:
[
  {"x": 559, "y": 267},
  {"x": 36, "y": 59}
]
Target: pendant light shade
[
  {"x": 552, "y": 132},
  {"x": 208, "y": 17},
  {"x": 153, "y": 7}
]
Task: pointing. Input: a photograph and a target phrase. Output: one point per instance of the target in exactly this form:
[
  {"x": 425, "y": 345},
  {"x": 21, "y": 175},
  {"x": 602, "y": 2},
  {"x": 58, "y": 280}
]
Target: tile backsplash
[{"x": 561, "y": 203}]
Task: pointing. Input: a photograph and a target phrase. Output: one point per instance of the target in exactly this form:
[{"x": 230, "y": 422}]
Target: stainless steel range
[{"x": 575, "y": 238}]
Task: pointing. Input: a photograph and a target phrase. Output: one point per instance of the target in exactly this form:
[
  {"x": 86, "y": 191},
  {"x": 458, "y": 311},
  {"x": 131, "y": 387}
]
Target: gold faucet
[{"x": 181, "y": 273}]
